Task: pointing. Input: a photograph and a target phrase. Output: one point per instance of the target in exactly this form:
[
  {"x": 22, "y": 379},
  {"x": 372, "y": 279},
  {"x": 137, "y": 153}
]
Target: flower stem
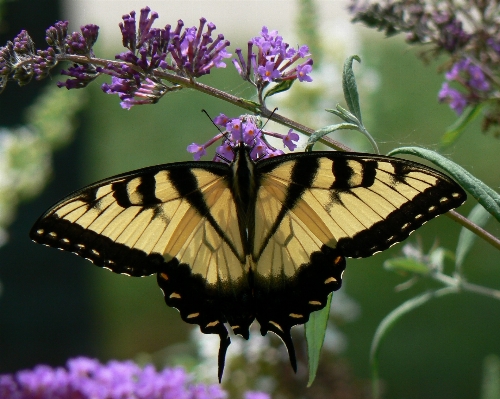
[{"x": 486, "y": 236}]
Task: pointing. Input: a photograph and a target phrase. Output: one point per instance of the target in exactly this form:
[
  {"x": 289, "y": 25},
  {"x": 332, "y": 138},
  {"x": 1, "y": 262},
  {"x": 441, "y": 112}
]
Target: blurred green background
[{"x": 54, "y": 305}]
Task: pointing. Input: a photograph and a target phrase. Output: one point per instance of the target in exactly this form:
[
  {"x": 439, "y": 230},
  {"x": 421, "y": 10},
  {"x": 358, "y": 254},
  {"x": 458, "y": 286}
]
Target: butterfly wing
[
  {"x": 314, "y": 209},
  {"x": 177, "y": 220}
]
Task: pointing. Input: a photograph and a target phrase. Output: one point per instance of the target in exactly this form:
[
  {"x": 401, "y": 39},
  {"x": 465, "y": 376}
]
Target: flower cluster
[
  {"x": 243, "y": 129},
  {"x": 472, "y": 78},
  {"x": 15, "y": 60},
  {"x": 87, "y": 378},
  {"x": 156, "y": 60},
  {"x": 422, "y": 22},
  {"x": 274, "y": 61},
  {"x": 189, "y": 53},
  {"x": 469, "y": 32},
  {"x": 20, "y": 61}
]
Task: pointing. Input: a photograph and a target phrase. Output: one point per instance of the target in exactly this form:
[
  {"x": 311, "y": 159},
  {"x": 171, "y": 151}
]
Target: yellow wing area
[
  {"x": 297, "y": 236},
  {"x": 186, "y": 214},
  {"x": 359, "y": 204}
]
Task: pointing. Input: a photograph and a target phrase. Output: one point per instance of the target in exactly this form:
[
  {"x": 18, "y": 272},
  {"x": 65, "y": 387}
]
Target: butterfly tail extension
[{"x": 283, "y": 301}]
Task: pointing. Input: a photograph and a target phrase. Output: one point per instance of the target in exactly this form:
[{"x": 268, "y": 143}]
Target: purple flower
[
  {"x": 88, "y": 379},
  {"x": 195, "y": 53},
  {"x": 457, "y": 69},
  {"x": 456, "y": 99},
  {"x": 303, "y": 71},
  {"x": 452, "y": 37},
  {"x": 197, "y": 150},
  {"x": 221, "y": 120},
  {"x": 56, "y": 35},
  {"x": 289, "y": 139},
  {"x": 224, "y": 153},
  {"x": 134, "y": 91},
  {"x": 268, "y": 72},
  {"x": 82, "y": 43},
  {"x": 477, "y": 79}
]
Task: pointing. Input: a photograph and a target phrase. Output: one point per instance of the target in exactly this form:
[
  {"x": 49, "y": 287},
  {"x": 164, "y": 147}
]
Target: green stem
[{"x": 488, "y": 237}]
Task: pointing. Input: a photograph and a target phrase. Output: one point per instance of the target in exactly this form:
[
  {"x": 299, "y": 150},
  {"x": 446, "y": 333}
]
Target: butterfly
[{"x": 248, "y": 240}]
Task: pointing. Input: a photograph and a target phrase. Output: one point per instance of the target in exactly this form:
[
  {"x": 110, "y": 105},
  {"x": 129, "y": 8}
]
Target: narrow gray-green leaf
[
  {"x": 344, "y": 114},
  {"x": 315, "y": 335},
  {"x": 478, "y": 216},
  {"x": 318, "y": 134},
  {"x": 406, "y": 265},
  {"x": 485, "y": 195},
  {"x": 350, "y": 88},
  {"x": 279, "y": 88},
  {"x": 453, "y": 132}
]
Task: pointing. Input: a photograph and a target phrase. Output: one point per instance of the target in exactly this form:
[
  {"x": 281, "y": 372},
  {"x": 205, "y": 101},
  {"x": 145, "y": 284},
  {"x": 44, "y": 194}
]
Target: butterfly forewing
[{"x": 367, "y": 203}]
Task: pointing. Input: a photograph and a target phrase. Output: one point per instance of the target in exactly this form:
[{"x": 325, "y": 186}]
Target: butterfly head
[{"x": 243, "y": 134}]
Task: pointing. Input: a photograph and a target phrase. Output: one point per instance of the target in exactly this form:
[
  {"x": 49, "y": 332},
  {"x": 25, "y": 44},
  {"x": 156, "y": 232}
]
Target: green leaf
[
  {"x": 478, "y": 216},
  {"x": 315, "y": 335},
  {"x": 485, "y": 195},
  {"x": 406, "y": 265},
  {"x": 453, "y": 132},
  {"x": 350, "y": 88},
  {"x": 318, "y": 134},
  {"x": 278, "y": 88},
  {"x": 344, "y": 114}
]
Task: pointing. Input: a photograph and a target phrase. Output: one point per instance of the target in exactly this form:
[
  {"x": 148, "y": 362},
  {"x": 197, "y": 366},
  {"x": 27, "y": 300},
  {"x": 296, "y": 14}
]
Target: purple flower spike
[
  {"x": 189, "y": 53},
  {"x": 195, "y": 53},
  {"x": 274, "y": 61}
]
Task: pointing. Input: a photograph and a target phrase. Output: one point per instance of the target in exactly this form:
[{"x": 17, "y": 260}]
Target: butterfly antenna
[
  {"x": 217, "y": 126},
  {"x": 268, "y": 119}
]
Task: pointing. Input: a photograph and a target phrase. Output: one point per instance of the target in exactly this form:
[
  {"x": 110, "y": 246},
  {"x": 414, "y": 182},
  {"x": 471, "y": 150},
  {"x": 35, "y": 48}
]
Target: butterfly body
[{"x": 265, "y": 240}]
